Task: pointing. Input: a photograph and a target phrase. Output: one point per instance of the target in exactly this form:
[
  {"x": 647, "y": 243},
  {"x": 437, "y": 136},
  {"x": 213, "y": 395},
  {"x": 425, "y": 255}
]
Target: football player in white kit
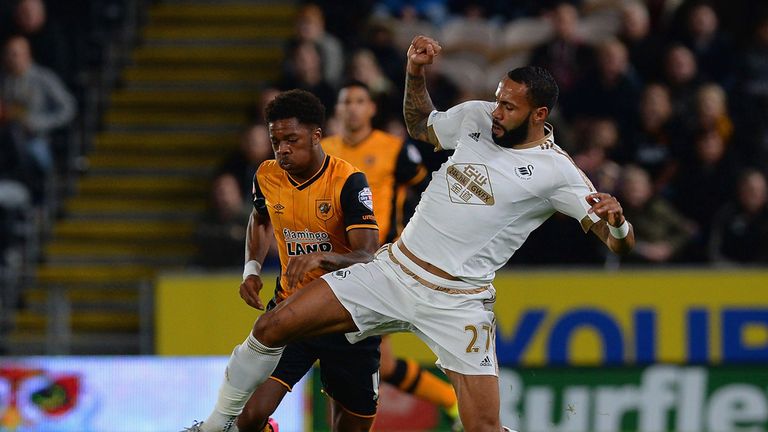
[{"x": 505, "y": 178}]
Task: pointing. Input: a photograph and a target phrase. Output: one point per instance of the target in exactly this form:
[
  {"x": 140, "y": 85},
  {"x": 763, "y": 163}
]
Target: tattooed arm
[{"x": 417, "y": 104}]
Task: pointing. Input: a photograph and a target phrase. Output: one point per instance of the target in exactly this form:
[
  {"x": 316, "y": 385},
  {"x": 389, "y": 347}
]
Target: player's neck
[
  {"x": 353, "y": 138},
  {"x": 536, "y": 137},
  {"x": 312, "y": 169}
]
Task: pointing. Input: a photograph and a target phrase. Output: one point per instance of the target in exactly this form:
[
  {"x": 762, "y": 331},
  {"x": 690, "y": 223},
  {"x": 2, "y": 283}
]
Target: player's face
[
  {"x": 296, "y": 146},
  {"x": 355, "y": 109},
  {"x": 512, "y": 115}
]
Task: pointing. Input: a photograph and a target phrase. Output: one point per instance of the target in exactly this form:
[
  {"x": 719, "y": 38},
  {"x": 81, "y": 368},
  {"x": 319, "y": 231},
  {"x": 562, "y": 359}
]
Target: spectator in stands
[
  {"x": 436, "y": 11},
  {"x": 656, "y": 142},
  {"x": 310, "y": 27},
  {"x": 566, "y": 56},
  {"x": 711, "y": 48},
  {"x": 642, "y": 44},
  {"x": 221, "y": 230},
  {"x": 752, "y": 96},
  {"x": 740, "y": 228},
  {"x": 661, "y": 232},
  {"x": 364, "y": 67},
  {"x": 703, "y": 184},
  {"x": 682, "y": 78},
  {"x": 598, "y": 138},
  {"x": 304, "y": 70},
  {"x": 255, "y": 110},
  {"x": 254, "y": 149},
  {"x": 51, "y": 41},
  {"x": 613, "y": 91},
  {"x": 380, "y": 41},
  {"x": 33, "y": 102},
  {"x": 712, "y": 111}
]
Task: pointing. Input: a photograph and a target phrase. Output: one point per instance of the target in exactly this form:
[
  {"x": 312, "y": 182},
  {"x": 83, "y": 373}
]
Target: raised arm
[{"x": 417, "y": 104}]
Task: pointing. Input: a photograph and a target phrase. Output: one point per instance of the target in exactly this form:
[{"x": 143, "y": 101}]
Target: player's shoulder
[
  {"x": 477, "y": 107},
  {"x": 268, "y": 167},
  {"x": 338, "y": 167},
  {"x": 385, "y": 137}
]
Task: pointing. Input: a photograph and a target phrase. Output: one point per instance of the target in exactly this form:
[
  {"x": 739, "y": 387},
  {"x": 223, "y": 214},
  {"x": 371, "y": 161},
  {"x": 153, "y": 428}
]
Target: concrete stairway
[{"x": 173, "y": 119}]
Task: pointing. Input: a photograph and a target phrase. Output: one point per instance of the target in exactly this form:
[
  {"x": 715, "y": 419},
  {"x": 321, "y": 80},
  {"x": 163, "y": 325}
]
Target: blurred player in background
[
  {"x": 391, "y": 165},
  {"x": 319, "y": 208}
]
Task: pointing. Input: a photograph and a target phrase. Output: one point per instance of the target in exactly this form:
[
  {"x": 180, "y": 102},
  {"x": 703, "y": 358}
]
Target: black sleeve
[
  {"x": 259, "y": 202},
  {"x": 357, "y": 201},
  {"x": 409, "y": 169}
]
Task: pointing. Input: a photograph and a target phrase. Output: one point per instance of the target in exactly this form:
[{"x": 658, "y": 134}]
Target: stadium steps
[{"x": 178, "y": 111}]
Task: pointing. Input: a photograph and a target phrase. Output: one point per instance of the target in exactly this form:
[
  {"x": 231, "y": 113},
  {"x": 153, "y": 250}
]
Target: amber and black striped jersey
[
  {"x": 387, "y": 162},
  {"x": 313, "y": 216}
]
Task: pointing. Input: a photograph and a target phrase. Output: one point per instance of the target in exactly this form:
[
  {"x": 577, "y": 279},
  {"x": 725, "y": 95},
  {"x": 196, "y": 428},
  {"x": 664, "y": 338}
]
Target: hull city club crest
[
  {"x": 469, "y": 184},
  {"x": 323, "y": 209}
]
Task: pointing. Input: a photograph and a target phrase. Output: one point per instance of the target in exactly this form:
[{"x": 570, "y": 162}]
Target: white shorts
[{"x": 392, "y": 294}]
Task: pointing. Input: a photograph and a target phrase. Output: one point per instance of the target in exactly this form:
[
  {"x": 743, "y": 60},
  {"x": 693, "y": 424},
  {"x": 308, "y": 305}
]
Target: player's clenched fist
[{"x": 422, "y": 51}]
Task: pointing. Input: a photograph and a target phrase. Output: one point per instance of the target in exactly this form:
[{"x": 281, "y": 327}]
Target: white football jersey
[{"x": 482, "y": 203}]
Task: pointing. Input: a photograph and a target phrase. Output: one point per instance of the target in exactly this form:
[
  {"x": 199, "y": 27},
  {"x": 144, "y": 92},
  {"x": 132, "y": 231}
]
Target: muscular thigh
[
  {"x": 312, "y": 311},
  {"x": 460, "y": 329}
]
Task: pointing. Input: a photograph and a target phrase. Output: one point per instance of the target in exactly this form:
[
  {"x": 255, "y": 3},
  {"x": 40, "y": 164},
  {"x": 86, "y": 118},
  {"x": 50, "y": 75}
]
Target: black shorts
[{"x": 349, "y": 372}]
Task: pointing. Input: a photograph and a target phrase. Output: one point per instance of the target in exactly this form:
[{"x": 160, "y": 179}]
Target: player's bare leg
[
  {"x": 262, "y": 403},
  {"x": 312, "y": 311},
  {"x": 345, "y": 421},
  {"x": 478, "y": 401}
]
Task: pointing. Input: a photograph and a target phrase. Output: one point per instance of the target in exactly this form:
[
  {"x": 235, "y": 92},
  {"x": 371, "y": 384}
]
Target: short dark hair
[
  {"x": 301, "y": 104},
  {"x": 542, "y": 88},
  {"x": 356, "y": 83}
]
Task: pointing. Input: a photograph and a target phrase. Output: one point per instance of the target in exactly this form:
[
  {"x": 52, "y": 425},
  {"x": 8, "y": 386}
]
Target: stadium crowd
[{"x": 662, "y": 103}]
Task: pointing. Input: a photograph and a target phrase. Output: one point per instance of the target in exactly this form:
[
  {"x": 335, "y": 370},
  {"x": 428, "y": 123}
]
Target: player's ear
[
  {"x": 317, "y": 134},
  {"x": 540, "y": 114}
]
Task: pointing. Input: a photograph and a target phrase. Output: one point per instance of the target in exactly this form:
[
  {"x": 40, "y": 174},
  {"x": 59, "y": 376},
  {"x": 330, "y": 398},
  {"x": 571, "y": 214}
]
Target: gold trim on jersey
[
  {"x": 429, "y": 284},
  {"x": 432, "y": 138},
  {"x": 364, "y": 226}
]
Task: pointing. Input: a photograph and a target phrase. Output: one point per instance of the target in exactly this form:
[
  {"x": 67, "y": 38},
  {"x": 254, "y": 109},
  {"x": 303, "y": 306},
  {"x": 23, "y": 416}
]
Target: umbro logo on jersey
[
  {"x": 278, "y": 208},
  {"x": 524, "y": 172},
  {"x": 486, "y": 362},
  {"x": 475, "y": 136}
]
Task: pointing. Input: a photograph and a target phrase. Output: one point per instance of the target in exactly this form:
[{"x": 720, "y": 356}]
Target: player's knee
[{"x": 266, "y": 330}]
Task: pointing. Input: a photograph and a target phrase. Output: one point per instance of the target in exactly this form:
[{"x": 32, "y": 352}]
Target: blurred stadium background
[{"x": 119, "y": 266}]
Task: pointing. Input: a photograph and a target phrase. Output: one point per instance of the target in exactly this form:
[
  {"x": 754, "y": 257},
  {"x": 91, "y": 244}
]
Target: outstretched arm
[
  {"x": 362, "y": 241},
  {"x": 614, "y": 230},
  {"x": 256, "y": 248},
  {"x": 417, "y": 104}
]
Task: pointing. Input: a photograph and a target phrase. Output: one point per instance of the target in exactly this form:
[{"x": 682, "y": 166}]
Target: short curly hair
[{"x": 299, "y": 104}]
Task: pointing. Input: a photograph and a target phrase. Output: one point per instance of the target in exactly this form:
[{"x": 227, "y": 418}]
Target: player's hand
[
  {"x": 606, "y": 207},
  {"x": 249, "y": 291},
  {"x": 299, "y": 266},
  {"x": 422, "y": 51}
]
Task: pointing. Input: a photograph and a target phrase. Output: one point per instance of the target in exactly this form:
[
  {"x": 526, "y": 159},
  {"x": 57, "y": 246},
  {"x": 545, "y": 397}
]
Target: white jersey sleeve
[
  {"x": 448, "y": 125},
  {"x": 570, "y": 197}
]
